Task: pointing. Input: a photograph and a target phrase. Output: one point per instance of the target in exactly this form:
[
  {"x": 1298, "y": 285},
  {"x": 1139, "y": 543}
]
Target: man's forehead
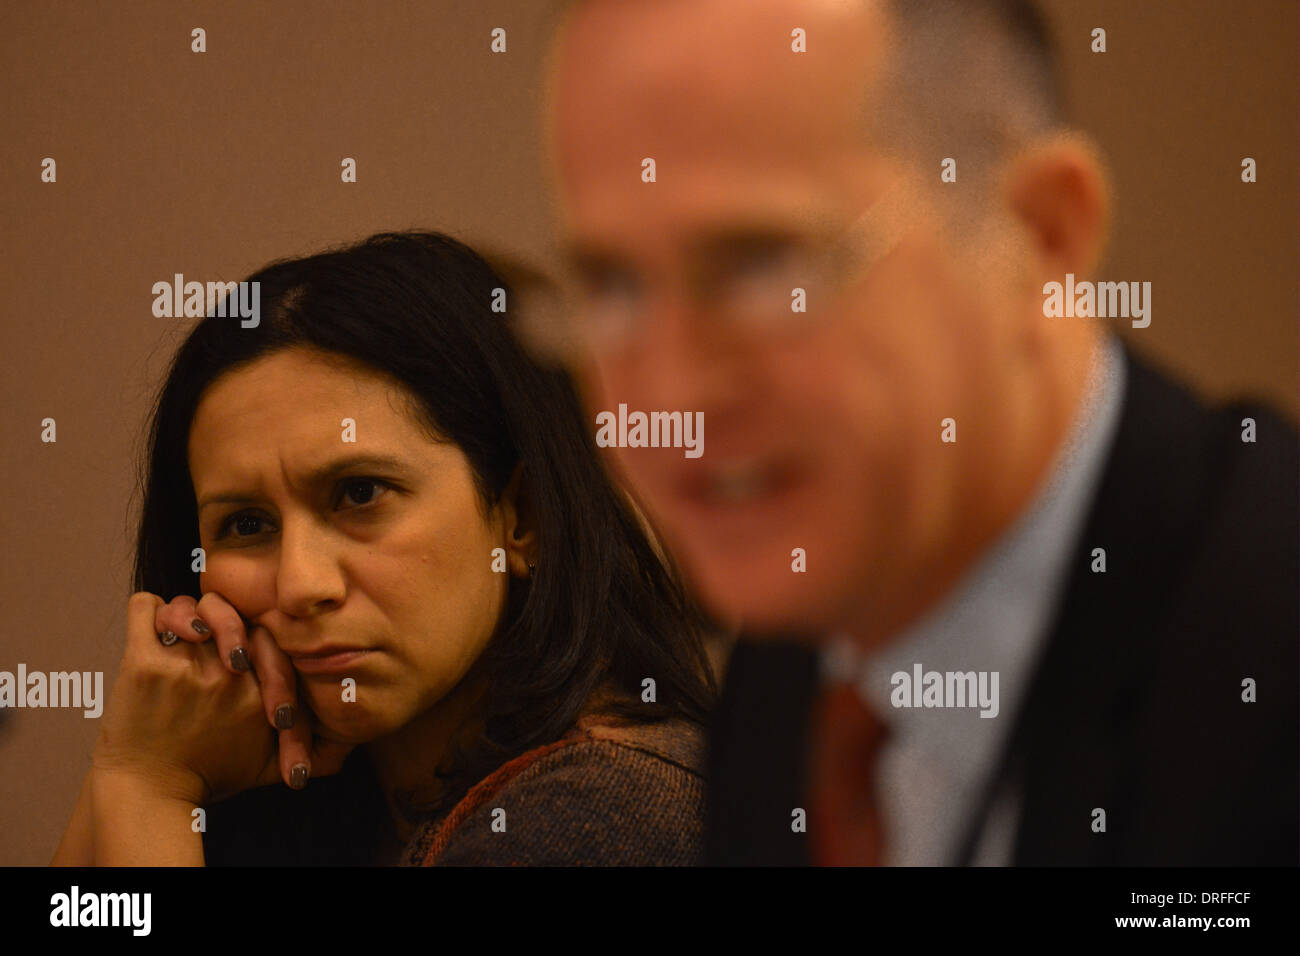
[
  {"x": 655, "y": 20},
  {"x": 709, "y": 75}
]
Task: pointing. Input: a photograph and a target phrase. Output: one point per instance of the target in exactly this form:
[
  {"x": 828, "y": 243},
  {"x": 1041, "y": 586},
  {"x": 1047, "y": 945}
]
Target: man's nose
[
  {"x": 308, "y": 579},
  {"x": 682, "y": 360}
]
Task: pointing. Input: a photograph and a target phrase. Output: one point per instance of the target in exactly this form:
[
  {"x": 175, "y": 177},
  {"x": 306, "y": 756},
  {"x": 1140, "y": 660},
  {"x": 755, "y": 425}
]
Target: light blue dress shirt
[{"x": 937, "y": 761}]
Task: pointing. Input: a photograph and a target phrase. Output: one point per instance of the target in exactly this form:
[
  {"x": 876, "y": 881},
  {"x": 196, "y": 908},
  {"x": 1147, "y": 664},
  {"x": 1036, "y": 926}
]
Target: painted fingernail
[
  {"x": 284, "y": 716},
  {"x": 298, "y": 776},
  {"x": 239, "y": 659},
  {"x": 200, "y": 628}
]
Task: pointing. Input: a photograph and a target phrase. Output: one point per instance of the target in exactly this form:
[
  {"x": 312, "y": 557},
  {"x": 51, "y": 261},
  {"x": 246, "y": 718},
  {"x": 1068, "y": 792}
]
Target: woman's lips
[{"x": 330, "y": 663}]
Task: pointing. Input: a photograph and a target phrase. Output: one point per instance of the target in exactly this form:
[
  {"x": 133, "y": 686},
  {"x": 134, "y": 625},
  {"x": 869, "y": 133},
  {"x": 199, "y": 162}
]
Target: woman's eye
[
  {"x": 243, "y": 525},
  {"x": 354, "y": 493},
  {"x": 362, "y": 491}
]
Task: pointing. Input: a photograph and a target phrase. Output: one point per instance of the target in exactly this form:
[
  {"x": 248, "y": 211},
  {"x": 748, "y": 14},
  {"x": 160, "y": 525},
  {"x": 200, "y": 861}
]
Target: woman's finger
[
  {"x": 180, "y": 617},
  {"x": 278, "y": 680},
  {"x": 295, "y": 754},
  {"x": 141, "y": 617},
  {"x": 227, "y": 630}
]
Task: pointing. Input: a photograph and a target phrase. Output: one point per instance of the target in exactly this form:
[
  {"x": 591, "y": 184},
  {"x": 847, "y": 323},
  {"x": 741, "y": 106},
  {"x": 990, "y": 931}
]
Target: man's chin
[{"x": 775, "y": 606}]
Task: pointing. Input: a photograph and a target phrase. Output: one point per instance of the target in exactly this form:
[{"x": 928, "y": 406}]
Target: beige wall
[{"x": 212, "y": 164}]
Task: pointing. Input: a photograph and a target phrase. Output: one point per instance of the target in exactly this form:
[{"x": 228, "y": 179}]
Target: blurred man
[{"x": 1009, "y": 594}]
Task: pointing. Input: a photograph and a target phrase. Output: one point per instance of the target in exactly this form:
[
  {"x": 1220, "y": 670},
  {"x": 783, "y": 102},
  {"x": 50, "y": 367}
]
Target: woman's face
[{"x": 377, "y": 544}]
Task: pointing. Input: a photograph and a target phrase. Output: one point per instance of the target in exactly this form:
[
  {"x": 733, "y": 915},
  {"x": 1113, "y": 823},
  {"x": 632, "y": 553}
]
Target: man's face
[{"x": 822, "y": 435}]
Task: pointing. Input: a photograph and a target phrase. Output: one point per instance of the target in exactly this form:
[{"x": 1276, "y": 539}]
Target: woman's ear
[{"x": 518, "y": 525}]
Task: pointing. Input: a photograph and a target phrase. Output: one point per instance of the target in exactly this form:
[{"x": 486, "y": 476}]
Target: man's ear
[
  {"x": 1059, "y": 193},
  {"x": 518, "y": 524}
]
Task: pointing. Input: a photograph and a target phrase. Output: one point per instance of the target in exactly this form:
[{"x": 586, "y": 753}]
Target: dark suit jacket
[{"x": 1136, "y": 706}]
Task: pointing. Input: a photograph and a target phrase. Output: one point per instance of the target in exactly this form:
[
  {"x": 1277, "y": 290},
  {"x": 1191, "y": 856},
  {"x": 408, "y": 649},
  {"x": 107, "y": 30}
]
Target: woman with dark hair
[{"x": 392, "y": 563}]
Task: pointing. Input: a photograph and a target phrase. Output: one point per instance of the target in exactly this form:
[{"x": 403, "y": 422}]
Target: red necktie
[{"x": 845, "y": 739}]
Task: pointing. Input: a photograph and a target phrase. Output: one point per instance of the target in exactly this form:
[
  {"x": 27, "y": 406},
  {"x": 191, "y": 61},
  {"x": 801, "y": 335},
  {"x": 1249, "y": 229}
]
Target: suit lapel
[
  {"x": 756, "y": 756},
  {"x": 1072, "y": 746}
]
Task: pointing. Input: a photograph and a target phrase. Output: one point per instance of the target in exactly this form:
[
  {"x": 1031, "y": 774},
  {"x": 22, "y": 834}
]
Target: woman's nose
[{"x": 308, "y": 579}]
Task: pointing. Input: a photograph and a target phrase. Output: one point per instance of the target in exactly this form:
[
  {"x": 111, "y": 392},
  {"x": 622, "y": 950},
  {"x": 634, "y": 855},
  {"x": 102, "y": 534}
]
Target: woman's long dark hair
[{"x": 418, "y": 306}]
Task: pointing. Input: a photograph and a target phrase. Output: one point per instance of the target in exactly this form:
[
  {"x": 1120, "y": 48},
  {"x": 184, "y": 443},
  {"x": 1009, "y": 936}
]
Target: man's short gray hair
[{"x": 968, "y": 79}]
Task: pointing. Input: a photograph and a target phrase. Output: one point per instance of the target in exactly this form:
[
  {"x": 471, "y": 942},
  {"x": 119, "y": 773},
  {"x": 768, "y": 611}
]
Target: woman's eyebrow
[
  {"x": 336, "y": 467},
  {"x": 317, "y": 476}
]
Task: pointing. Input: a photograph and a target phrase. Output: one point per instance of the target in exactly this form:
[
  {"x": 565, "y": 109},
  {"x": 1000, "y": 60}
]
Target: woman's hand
[
  {"x": 186, "y": 723},
  {"x": 214, "y": 618},
  {"x": 189, "y": 721},
  {"x": 177, "y": 721}
]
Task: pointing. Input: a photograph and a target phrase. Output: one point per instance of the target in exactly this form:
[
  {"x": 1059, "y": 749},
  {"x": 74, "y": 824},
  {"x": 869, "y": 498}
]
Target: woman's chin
[{"x": 352, "y": 723}]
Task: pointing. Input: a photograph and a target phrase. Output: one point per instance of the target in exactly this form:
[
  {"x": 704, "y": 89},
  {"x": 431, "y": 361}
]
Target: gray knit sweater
[{"x": 606, "y": 794}]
